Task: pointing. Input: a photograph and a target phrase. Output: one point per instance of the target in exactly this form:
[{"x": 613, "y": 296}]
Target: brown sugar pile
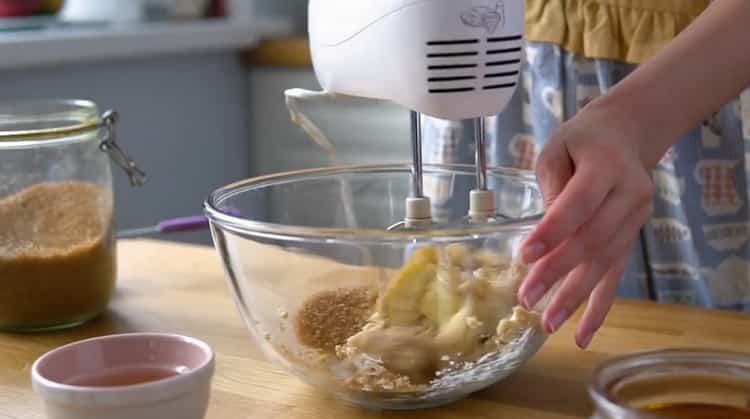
[
  {"x": 57, "y": 256},
  {"x": 329, "y": 318}
]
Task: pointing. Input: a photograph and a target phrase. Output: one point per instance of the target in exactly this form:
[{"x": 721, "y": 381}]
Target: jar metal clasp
[{"x": 109, "y": 145}]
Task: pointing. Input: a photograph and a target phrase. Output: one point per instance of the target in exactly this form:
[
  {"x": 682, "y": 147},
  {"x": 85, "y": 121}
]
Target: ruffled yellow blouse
[{"x": 623, "y": 30}]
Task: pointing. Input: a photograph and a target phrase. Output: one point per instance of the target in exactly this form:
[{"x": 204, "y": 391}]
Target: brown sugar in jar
[{"x": 57, "y": 255}]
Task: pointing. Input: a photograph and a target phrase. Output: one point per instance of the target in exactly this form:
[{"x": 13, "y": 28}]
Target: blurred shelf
[
  {"x": 27, "y": 23},
  {"x": 280, "y": 52},
  {"x": 57, "y": 44}
]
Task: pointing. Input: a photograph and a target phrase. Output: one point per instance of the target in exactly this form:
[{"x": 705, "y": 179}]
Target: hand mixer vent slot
[
  {"x": 453, "y": 90},
  {"x": 503, "y": 51},
  {"x": 503, "y": 74},
  {"x": 499, "y": 86},
  {"x": 453, "y": 42},
  {"x": 505, "y": 38},
  {"x": 503, "y": 62},
  {"x": 452, "y": 78},
  {"x": 451, "y": 66},
  {"x": 453, "y": 54}
]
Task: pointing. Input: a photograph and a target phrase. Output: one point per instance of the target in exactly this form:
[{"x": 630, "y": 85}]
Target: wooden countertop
[{"x": 165, "y": 287}]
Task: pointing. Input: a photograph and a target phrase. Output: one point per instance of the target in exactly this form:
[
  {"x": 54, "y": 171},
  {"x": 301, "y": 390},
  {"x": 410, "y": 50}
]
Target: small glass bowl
[
  {"x": 308, "y": 235},
  {"x": 639, "y": 385}
]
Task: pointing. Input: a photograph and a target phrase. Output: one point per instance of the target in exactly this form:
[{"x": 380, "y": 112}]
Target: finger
[
  {"x": 600, "y": 303},
  {"x": 571, "y": 294},
  {"x": 553, "y": 171},
  {"x": 590, "y": 238},
  {"x": 580, "y": 199},
  {"x": 539, "y": 281}
]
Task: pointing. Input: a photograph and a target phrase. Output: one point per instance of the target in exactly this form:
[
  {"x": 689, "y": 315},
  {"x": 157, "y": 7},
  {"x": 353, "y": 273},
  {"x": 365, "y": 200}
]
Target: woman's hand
[
  {"x": 594, "y": 173},
  {"x": 598, "y": 194}
]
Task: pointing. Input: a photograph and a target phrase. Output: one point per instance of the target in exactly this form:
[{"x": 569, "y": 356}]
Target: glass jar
[
  {"x": 676, "y": 383},
  {"x": 57, "y": 250}
]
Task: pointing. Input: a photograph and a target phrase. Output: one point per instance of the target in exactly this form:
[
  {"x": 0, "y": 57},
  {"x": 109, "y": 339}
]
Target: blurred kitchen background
[{"x": 199, "y": 88}]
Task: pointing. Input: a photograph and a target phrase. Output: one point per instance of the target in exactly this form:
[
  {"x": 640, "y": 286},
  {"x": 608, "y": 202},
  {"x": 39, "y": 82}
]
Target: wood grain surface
[{"x": 166, "y": 287}]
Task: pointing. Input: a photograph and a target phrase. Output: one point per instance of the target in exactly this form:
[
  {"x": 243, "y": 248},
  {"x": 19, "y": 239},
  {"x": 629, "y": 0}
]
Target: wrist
[{"x": 637, "y": 123}]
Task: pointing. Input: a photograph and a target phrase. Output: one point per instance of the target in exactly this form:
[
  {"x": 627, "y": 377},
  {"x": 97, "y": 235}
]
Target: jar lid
[
  {"x": 40, "y": 119},
  {"x": 30, "y": 121}
]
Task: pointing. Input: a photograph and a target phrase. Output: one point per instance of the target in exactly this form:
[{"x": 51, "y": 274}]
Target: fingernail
[
  {"x": 557, "y": 321},
  {"x": 583, "y": 344},
  {"x": 533, "y": 252},
  {"x": 533, "y": 296}
]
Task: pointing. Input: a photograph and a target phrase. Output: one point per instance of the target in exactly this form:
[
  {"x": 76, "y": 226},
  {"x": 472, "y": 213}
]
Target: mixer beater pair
[{"x": 418, "y": 207}]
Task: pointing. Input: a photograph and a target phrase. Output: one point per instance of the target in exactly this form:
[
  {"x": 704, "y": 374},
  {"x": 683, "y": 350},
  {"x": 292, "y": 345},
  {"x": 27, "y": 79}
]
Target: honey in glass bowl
[
  {"x": 699, "y": 411},
  {"x": 673, "y": 384}
]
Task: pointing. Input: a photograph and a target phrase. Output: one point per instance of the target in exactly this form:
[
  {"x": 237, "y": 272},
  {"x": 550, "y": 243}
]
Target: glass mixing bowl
[{"x": 386, "y": 319}]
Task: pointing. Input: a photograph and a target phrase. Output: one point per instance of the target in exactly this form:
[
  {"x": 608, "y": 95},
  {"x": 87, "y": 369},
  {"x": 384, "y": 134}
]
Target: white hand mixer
[{"x": 449, "y": 59}]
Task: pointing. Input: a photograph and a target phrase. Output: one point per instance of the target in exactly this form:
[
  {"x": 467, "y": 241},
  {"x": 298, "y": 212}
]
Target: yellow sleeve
[{"x": 624, "y": 30}]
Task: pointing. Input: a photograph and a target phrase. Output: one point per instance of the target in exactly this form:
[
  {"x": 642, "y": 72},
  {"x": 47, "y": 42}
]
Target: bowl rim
[{"x": 244, "y": 226}]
